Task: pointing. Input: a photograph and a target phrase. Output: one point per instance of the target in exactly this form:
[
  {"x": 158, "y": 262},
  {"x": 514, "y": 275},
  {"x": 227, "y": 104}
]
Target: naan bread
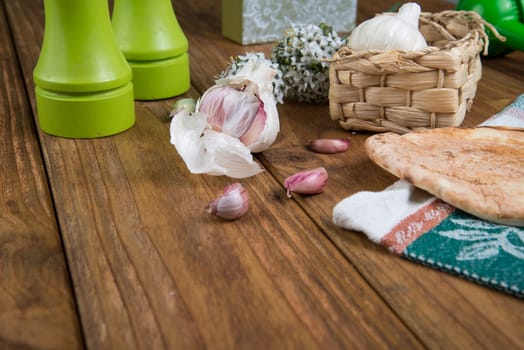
[{"x": 479, "y": 170}]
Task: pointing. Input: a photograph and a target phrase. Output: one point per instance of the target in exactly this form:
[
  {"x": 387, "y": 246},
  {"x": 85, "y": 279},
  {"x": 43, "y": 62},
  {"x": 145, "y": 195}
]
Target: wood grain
[
  {"x": 442, "y": 310},
  {"x": 151, "y": 269},
  {"x": 37, "y": 308}
]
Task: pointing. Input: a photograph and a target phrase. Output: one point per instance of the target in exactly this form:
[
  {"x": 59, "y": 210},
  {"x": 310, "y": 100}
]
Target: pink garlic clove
[
  {"x": 329, "y": 146},
  {"x": 256, "y": 128},
  {"x": 232, "y": 204},
  {"x": 234, "y": 112},
  {"x": 307, "y": 181}
]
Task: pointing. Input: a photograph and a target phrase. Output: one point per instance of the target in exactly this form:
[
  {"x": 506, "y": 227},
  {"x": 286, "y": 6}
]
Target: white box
[{"x": 260, "y": 21}]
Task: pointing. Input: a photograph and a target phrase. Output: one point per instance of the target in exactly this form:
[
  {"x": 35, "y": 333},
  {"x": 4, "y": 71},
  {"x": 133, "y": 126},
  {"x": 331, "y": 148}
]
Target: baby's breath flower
[
  {"x": 300, "y": 54},
  {"x": 298, "y": 59}
]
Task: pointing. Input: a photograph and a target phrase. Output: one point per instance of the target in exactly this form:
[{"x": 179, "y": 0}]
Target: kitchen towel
[{"x": 418, "y": 226}]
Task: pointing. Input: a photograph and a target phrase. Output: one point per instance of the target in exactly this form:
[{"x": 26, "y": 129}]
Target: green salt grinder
[
  {"x": 154, "y": 45},
  {"x": 83, "y": 82}
]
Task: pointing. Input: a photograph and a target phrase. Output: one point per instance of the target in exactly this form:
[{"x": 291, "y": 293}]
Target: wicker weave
[{"x": 405, "y": 90}]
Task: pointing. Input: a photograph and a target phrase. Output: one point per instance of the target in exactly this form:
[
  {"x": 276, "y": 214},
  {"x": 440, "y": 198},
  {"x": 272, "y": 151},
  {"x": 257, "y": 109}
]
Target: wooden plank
[
  {"x": 444, "y": 311},
  {"x": 151, "y": 269},
  {"x": 37, "y": 308}
]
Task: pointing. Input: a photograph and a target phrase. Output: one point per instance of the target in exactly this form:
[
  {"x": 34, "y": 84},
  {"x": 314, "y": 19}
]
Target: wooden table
[{"x": 105, "y": 243}]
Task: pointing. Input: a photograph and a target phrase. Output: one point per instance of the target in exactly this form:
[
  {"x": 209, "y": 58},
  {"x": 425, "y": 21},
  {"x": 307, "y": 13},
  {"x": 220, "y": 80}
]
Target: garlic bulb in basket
[
  {"x": 233, "y": 118},
  {"x": 390, "y": 31}
]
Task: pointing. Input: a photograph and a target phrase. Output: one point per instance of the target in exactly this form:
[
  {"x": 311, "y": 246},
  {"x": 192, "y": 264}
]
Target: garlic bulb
[
  {"x": 232, "y": 204},
  {"x": 232, "y": 119},
  {"x": 256, "y": 78},
  {"x": 390, "y": 31}
]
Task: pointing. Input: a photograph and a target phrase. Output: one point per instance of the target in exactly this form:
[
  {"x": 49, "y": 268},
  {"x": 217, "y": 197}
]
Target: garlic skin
[
  {"x": 311, "y": 181},
  {"x": 390, "y": 31},
  {"x": 206, "y": 151},
  {"x": 232, "y": 204},
  {"x": 232, "y": 119},
  {"x": 329, "y": 146}
]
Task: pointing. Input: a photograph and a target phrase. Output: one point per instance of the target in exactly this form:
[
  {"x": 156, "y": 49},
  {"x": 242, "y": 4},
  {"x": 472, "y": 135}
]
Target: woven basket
[{"x": 401, "y": 91}]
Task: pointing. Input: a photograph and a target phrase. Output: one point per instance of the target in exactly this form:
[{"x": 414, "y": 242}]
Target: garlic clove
[
  {"x": 329, "y": 146},
  {"x": 232, "y": 204},
  {"x": 206, "y": 151},
  {"x": 187, "y": 104},
  {"x": 311, "y": 181},
  {"x": 272, "y": 126},
  {"x": 256, "y": 128}
]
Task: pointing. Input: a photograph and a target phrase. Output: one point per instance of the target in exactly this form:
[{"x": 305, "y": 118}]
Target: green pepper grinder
[
  {"x": 507, "y": 16},
  {"x": 83, "y": 82},
  {"x": 154, "y": 45}
]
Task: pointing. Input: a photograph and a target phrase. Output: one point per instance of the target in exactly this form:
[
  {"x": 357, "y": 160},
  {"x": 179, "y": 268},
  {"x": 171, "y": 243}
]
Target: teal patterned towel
[
  {"x": 415, "y": 225},
  {"x": 478, "y": 250}
]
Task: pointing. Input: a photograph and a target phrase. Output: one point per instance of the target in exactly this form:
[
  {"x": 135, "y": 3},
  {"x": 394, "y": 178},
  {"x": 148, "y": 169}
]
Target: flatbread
[{"x": 479, "y": 170}]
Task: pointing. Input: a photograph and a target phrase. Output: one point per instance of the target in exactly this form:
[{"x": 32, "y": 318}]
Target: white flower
[{"x": 300, "y": 55}]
